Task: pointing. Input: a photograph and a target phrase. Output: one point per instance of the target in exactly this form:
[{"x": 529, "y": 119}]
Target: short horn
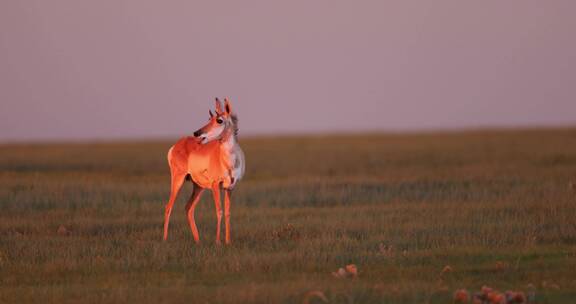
[{"x": 218, "y": 106}]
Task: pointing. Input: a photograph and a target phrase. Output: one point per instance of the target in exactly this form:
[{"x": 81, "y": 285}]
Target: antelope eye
[{"x": 219, "y": 121}]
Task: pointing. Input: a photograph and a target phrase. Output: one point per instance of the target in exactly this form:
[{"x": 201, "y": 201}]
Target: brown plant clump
[
  {"x": 314, "y": 294},
  {"x": 488, "y": 295},
  {"x": 447, "y": 269},
  {"x": 287, "y": 232},
  {"x": 500, "y": 266},
  {"x": 515, "y": 297},
  {"x": 63, "y": 231},
  {"x": 349, "y": 271},
  {"x": 461, "y": 296}
]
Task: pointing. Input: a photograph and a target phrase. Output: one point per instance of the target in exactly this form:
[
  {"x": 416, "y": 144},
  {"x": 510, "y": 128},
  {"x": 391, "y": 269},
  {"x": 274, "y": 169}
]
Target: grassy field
[{"x": 498, "y": 207}]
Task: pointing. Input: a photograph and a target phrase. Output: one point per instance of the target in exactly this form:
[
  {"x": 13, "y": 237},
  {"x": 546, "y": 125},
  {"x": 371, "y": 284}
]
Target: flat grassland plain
[{"x": 498, "y": 207}]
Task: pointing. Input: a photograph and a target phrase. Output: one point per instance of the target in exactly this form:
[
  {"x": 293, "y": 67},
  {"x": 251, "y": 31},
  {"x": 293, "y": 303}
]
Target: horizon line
[{"x": 253, "y": 135}]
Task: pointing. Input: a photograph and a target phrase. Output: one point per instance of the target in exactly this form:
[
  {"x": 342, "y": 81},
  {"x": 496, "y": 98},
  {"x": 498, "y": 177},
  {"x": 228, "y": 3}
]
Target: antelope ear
[
  {"x": 227, "y": 106},
  {"x": 210, "y": 112},
  {"x": 218, "y": 106}
]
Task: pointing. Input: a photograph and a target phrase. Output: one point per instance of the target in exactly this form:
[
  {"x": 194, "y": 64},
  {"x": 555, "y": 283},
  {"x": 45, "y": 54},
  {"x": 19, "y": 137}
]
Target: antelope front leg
[
  {"x": 190, "y": 207},
  {"x": 216, "y": 194},
  {"x": 227, "y": 195}
]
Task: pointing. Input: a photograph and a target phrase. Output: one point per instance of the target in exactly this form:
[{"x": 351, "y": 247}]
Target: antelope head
[{"x": 220, "y": 123}]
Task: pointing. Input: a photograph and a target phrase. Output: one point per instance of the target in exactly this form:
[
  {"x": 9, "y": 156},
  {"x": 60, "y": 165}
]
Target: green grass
[{"x": 307, "y": 206}]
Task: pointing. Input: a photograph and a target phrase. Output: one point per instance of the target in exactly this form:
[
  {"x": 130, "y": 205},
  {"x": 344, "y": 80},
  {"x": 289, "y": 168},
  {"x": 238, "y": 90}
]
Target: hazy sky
[{"x": 111, "y": 68}]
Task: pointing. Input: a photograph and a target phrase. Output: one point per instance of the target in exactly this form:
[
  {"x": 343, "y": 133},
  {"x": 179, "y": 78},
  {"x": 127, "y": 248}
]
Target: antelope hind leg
[{"x": 177, "y": 181}]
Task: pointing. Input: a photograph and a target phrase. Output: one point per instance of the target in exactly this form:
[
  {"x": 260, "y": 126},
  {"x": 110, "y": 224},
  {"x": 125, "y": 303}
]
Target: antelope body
[{"x": 212, "y": 159}]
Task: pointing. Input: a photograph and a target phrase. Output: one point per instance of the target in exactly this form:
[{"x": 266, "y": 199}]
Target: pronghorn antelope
[{"x": 212, "y": 159}]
